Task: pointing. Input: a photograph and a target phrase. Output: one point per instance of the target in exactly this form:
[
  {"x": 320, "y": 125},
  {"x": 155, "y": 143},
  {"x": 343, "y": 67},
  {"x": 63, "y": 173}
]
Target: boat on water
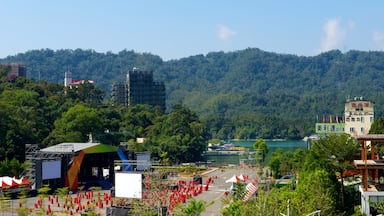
[
  {"x": 229, "y": 145},
  {"x": 312, "y": 137},
  {"x": 225, "y": 149}
]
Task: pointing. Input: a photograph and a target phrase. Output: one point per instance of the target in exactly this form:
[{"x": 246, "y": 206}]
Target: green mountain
[{"x": 233, "y": 91}]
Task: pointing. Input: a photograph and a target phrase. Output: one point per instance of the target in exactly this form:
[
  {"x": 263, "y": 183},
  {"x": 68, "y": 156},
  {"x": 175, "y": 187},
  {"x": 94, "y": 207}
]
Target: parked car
[{"x": 287, "y": 179}]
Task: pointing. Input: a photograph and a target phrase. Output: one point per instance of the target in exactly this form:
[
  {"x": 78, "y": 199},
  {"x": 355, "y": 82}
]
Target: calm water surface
[{"x": 285, "y": 145}]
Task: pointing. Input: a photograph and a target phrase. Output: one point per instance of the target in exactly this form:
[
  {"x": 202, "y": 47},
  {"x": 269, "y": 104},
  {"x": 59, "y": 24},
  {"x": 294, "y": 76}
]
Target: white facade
[
  {"x": 67, "y": 79},
  {"x": 359, "y": 115}
]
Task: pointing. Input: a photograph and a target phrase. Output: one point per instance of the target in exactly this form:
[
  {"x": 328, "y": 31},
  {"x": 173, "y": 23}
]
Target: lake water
[{"x": 285, "y": 145}]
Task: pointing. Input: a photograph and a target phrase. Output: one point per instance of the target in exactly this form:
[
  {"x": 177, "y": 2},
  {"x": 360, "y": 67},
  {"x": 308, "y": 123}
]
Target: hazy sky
[{"x": 175, "y": 29}]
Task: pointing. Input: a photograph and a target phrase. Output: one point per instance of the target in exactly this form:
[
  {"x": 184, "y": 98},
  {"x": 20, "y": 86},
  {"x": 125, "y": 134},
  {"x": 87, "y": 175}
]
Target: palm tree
[{"x": 194, "y": 208}]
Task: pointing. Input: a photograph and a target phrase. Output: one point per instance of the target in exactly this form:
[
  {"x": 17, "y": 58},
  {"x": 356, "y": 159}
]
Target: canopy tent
[
  {"x": 235, "y": 178},
  {"x": 3, "y": 184},
  {"x": 7, "y": 181},
  {"x": 243, "y": 177},
  {"x": 21, "y": 181}
]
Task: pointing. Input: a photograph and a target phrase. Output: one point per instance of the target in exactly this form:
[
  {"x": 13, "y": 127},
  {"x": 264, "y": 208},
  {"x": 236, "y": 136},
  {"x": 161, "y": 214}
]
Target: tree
[
  {"x": 261, "y": 150},
  {"x": 24, "y": 121},
  {"x": 338, "y": 152},
  {"x": 316, "y": 191},
  {"x": 86, "y": 93},
  {"x": 274, "y": 162},
  {"x": 298, "y": 158},
  {"x": 78, "y": 124},
  {"x": 378, "y": 206},
  {"x": 12, "y": 167},
  {"x": 180, "y": 134},
  {"x": 318, "y": 187},
  {"x": 193, "y": 208},
  {"x": 377, "y": 126},
  {"x": 233, "y": 209},
  {"x": 137, "y": 119},
  {"x": 268, "y": 202},
  {"x": 261, "y": 146}
]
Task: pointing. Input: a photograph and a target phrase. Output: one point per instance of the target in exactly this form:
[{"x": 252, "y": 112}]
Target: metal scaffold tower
[{"x": 34, "y": 158}]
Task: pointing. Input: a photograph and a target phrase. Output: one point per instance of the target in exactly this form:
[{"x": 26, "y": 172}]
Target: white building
[{"x": 359, "y": 115}]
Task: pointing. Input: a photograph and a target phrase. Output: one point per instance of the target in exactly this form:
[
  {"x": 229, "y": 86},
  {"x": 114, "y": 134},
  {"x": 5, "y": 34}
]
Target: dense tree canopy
[
  {"x": 78, "y": 124},
  {"x": 317, "y": 186},
  {"x": 244, "y": 94},
  {"x": 48, "y": 114},
  {"x": 377, "y": 126},
  {"x": 180, "y": 134}
]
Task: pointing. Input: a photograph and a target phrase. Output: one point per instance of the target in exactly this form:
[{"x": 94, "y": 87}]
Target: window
[
  {"x": 357, "y": 119},
  {"x": 333, "y": 128},
  {"x": 362, "y": 130},
  {"x": 347, "y": 119},
  {"x": 353, "y": 119},
  {"x": 351, "y": 130},
  {"x": 371, "y": 119},
  {"x": 359, "y": 107},
  {"x": 319, "y": 127},
  {"x": 362, "y": 119}
]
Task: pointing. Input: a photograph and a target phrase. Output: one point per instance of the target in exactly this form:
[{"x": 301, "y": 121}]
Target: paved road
[{"x": 216, "y": 190}]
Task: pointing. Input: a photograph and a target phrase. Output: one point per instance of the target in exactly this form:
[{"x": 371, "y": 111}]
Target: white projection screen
[
  {"x": 128, "y": 185},
  {"x": 51, "y": 169}
]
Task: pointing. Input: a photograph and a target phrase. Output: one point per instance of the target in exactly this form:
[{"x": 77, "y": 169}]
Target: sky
[{"x": 174, "y": 29}]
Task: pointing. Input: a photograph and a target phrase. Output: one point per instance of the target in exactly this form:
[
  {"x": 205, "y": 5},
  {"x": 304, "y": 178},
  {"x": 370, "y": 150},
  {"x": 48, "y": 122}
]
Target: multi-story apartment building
[
  {"x": 118, "y": 95},
  {"x": 359, "y": 115},
  {"x": 357, "y": 119},
  {"x": 15, "y": 70},
  {"x": 139, "y": 88}
]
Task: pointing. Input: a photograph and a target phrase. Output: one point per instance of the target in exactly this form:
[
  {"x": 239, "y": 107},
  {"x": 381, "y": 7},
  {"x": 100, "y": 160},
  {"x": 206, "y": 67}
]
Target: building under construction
[
  {"x": 15, "y": 70},
  {"x": 139, "y": 88}
]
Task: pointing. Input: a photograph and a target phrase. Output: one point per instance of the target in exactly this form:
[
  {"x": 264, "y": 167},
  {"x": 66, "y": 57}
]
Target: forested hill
[{"x": 241, "y": 86}]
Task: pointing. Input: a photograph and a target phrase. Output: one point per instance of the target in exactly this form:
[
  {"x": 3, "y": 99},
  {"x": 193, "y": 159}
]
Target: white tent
[
  {"x": 7, "y": 181},
  {"x": 236, "y": 178},
  {"x": 233, "y": 179},
  {"x": 21, "y": 181},
  {"x": 243, "y": 177}
]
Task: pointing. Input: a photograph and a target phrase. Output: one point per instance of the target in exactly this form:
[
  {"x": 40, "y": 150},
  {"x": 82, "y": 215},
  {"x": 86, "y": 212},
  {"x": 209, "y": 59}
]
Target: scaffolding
[
  {"x": 139, "y": 88},
  {"x": 34, "y": 158}
]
